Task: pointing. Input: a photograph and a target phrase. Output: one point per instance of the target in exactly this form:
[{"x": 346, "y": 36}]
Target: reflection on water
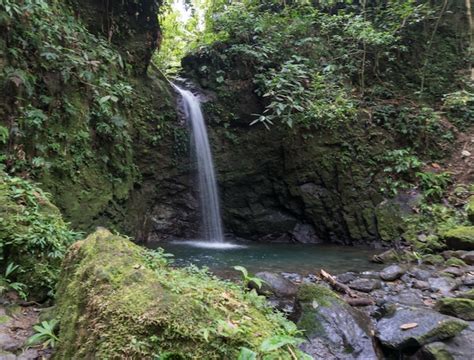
[{"x": 295, "y": 258}]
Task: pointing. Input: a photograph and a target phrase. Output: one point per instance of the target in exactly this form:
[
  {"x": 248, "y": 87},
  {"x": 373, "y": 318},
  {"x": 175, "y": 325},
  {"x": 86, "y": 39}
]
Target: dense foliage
[
  {"x": 33, "y": 238},
  {"x": 46, "y": 52}
]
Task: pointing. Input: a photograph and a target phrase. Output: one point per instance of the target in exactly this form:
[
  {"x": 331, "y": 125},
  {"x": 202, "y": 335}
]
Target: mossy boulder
[
  {"x": 333, "y": 329},
  {"x": 425, "y": 326},
  {"x": 460, "y": 238},
  {"x": 118, "y": 300},
  {"x": 459, "y": 307},
  {"x": 33, "y": 236}
]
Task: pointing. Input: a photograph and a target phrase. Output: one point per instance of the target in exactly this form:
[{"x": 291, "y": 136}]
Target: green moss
[
  {"x": 321, "y": 294},
  {"x": 469, "y": 294},
  {"x": 460, "y": 238},
  {"x": 4, "y": 319},
  {"x": 437, "y": 351},
  {"x": 444, "y": 330},
  {"x": 459, "y": 307},
  {"x": 433, "y": 259},
  {"x": 455, "y": 262},
  {"x": 115, "y": 300}
]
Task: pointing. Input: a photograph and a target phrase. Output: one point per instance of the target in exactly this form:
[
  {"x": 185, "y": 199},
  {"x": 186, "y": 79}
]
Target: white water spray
[{"x": 208, "y": 195}]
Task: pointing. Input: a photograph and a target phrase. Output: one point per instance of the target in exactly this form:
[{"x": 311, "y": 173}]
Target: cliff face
[{"x": 132, "y": 26}]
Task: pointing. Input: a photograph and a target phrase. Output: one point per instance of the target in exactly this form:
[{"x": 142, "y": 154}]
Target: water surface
[{"x": 293, "y": 258}]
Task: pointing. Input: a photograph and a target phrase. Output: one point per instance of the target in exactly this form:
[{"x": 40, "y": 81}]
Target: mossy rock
[
  {"x": 459, "y": 307},
  {"x": 460, "y": 238},
  {"x": 430, "y": 326},
  {"x": 332, "y": 327},
  {"x": 455, "y": 262},
  {"x": 433, "y": 259},
  {"x": 469, "y": 294},
  {"x": 118, "y": 300},
  {"x": 470, "y": 209}
]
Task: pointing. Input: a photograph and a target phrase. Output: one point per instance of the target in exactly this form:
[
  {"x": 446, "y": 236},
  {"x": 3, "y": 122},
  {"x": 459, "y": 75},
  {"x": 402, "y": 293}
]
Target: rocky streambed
[{"x": 404, "y": 311}]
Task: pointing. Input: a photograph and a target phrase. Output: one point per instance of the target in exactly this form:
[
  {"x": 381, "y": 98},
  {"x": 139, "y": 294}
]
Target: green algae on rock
[
  {"x": 118, "y": 300},
  {"x": 459, "y": 307},
  {"x": 460, "y": 238}
]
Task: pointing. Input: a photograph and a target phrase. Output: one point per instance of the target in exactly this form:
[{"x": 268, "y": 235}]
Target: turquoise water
[{"x": 293, "y": 258}]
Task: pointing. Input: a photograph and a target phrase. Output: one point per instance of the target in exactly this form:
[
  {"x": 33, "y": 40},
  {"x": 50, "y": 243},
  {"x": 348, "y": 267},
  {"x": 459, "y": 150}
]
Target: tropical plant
[
  {"x": 433, "y": 184},
  {"x": 45, "y": 334},
  {"x": 6, "y": 282},
  {"x": 247, "y": 278}
]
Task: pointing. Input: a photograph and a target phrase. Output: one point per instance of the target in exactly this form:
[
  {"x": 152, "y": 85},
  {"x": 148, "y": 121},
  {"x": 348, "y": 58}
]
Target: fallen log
[
  {"x": 336, "y": 285},
  {"x": 362, "y": 301}
]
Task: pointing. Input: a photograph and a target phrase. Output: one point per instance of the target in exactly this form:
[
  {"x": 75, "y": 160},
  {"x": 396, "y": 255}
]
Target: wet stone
[
  {"x": 392, "y": 272},
  {"x": 420, "y": 274},
  {"x": 365, "y": 285},
  {"x": 346, "y": 277},
  {"x": 442, "y": 284}
]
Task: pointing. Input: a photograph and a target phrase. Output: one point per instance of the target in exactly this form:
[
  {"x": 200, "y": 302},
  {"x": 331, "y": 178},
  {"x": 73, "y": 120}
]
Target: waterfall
[{"x": 208, "y": 194}]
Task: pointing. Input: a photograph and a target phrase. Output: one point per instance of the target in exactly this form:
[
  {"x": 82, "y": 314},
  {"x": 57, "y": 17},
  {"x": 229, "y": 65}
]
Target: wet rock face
[
  {"x": 334, "y": 330},
  {"x": 131, "y": 25}
]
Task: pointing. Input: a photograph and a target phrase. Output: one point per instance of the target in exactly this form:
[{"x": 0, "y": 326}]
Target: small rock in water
[
  {"x": 392, "y": 272},
  {"x": 365, "y": 285}
]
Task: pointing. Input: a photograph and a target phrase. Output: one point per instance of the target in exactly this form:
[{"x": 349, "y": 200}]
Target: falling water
[{"x": 209, "y": 198}]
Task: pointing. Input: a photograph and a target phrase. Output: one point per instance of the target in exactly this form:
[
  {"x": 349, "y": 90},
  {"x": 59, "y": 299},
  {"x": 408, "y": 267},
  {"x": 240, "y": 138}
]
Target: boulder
[
  {"x": 460, "y": 238},
  {"x": 456, "y": 348},
  {"x": 459, "y": 307},
  {"x": 275, "y": 284},
  {"x": 407, "y": 328},
  {"x": 468, "y": 258},
  {"x": 334, "y": 329},
  {"x": 392, "y": 272},
  {"x": 118, "y": 300}
]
